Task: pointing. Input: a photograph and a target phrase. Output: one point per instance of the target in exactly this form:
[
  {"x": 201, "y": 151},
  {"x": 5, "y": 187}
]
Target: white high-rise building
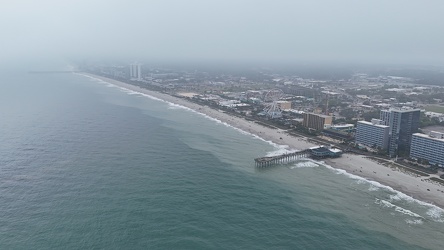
[
  {"x": 372, "y": 133},
  {"x": 136, "y": 71},
  {"x": 428, "y": 147},
  {"x": 385, "y": 116}
]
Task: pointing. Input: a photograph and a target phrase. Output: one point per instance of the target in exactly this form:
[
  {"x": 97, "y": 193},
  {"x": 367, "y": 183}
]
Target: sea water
[{"x": 85, "y": 164}]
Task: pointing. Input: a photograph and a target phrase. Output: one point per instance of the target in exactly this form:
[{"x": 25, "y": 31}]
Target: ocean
[{"x": 88, "y": 165}]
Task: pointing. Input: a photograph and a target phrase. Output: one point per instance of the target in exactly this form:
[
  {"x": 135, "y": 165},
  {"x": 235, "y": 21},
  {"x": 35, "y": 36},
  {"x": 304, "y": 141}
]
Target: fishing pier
[{"x": 314, "y": 153}]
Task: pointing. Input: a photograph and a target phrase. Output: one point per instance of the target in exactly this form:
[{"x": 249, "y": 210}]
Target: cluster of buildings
[
  {"x": 397, "y": 132},
  {"x": 393, "y": 131}
]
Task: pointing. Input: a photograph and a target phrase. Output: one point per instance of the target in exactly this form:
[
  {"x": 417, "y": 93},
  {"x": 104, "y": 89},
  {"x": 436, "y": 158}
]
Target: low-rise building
[
  {"x": 324, "y": 152},
  {"x": 343, "y": 127}
]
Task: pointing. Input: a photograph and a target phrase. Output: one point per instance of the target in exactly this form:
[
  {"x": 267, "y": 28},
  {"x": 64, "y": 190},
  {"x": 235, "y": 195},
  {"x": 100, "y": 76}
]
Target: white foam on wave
[
  {"x": 174, "y": 107},
  {"x": 305, "y": 164},
  {"x": 361, "y": 181},
  {"x": 399, "y": 209},
  {"x": 414, "y": 222},
  {"x": 130, "y": 92},
  {"x": 434, "y": 212},
  {"x": 401, "y": 196},
  {"x": 280, "y": 150},
  {"x": 177, "y": 106}
]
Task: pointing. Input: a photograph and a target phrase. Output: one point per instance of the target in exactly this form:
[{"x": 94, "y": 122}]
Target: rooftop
[
  {"x": 428, "y": 137},
  {"x": 320, "y": 115},
  {"x": 404, "y": 110},
  {"x": 376, "y": 125},
  {"x": 343, "y": 125}
]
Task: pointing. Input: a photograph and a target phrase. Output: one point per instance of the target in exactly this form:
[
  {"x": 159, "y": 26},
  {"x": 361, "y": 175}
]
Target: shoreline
[{"x": 411, "y": 185}]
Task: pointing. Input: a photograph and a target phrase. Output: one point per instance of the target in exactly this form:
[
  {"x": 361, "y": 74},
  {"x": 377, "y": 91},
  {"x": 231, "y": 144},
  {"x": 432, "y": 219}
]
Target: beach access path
[{"x": 416, "y": 186}]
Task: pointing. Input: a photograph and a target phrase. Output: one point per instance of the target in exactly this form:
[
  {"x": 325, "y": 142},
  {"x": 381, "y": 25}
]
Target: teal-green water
[{"x": 85, "y": 165}]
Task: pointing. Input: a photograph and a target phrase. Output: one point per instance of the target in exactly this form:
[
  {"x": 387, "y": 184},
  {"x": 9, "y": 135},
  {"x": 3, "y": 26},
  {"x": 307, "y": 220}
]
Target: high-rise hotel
[
  {"x": 429, "y": 147},
  {"x": 403, "y": 123},
  {"x": 136, "y": 71},
  {"x": 372, "y": 133}
]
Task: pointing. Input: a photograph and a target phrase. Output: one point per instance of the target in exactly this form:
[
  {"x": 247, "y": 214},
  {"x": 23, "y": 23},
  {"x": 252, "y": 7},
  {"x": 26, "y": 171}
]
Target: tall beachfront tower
[
  {"x": 136, "y": 71},
  {"x": 403, "y": 123}
]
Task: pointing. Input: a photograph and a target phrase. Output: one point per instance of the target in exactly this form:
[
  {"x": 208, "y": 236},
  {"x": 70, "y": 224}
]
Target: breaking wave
[
  {"x": 305, "y": 164},
  {"x": 399, "y": 209}
]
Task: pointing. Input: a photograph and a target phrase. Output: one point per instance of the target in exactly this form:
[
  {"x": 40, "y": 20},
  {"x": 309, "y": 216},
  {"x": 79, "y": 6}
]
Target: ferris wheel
[{"x": 272, "y": 108}]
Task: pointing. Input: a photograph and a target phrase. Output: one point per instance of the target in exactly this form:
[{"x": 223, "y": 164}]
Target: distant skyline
[{"x": 318, "y": 31}]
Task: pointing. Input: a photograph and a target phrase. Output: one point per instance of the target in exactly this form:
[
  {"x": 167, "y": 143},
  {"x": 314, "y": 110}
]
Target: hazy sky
[{"x": 386, "y": 31}]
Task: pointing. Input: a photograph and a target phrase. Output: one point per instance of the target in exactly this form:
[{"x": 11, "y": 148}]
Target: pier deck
[
  {"x": 282, "y": 159},
  {"x": 318, "y": 152}
]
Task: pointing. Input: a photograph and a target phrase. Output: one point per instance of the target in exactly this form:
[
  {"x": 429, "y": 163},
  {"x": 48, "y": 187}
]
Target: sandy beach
[{"x": 417, "y": 187}]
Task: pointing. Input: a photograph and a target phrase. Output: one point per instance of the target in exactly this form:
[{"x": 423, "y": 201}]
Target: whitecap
[
  {"x": 436, "y": 214},
  {"x": 305, "y": 164},
  {"x": 281, "y": 149},
  {"x": 414, "y": 222},
  {"x": 360, "y": 181},
  {"x": 399, "y": 209},
  {"x": 373, "y": 188}
]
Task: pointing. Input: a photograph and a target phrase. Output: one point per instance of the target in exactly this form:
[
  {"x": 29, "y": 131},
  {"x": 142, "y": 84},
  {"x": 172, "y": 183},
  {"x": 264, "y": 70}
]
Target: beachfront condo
[
  {"x": 428, "y": 147},
  {"x": 372, "y": 134}
]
